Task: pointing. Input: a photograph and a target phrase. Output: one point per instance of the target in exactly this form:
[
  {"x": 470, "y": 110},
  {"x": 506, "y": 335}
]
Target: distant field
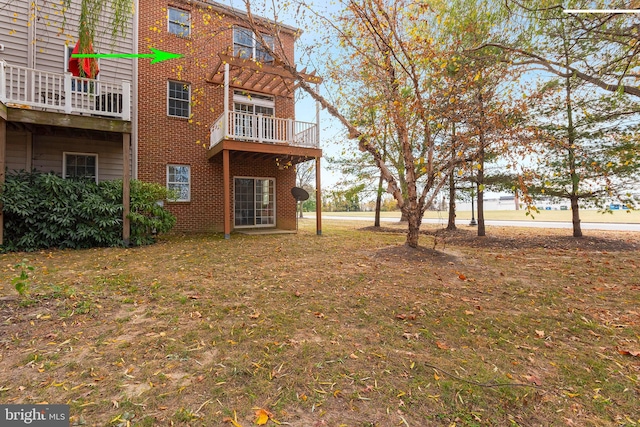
[{"x": 585, "y": 216}]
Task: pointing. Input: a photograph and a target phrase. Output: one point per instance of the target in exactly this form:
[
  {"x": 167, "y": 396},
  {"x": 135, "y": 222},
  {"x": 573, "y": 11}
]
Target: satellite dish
[{"x": 300, "y": 194}]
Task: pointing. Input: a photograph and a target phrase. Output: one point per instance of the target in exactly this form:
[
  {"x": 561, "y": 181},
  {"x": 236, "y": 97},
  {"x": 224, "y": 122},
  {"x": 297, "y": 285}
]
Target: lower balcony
[
  {"x": 32, "y": 89},
  {"x": 257, "y": 128}
]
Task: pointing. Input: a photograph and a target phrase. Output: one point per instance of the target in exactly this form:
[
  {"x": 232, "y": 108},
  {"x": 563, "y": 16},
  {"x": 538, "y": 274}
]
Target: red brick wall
[{"x": 166, "y": 140}]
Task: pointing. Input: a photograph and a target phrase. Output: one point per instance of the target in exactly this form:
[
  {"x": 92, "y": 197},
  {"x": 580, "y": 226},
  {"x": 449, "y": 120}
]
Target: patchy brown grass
[{"x": 525, "y": 327}]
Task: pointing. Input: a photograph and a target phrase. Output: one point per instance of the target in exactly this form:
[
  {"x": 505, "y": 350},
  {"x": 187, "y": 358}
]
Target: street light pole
[{"x": 473, "y": 218}]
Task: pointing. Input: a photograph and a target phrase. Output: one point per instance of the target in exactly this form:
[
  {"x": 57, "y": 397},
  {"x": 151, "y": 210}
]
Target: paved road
[{"x": 535, "y": 224}]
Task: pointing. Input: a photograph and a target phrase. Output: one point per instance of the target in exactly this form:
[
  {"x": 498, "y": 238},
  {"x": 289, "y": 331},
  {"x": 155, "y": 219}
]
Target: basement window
[
  {"x": 80, "y": 166},
  {"x": 179, "y": 182}
]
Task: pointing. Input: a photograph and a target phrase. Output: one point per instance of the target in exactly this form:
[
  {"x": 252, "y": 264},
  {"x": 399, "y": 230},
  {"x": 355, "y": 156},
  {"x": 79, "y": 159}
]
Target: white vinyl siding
[
  {"x": 13, "y": 27},
  {"x": 48, "y": 152},
  {"x": 49, "y": 43},
  {"x": 17, "y": 151}
]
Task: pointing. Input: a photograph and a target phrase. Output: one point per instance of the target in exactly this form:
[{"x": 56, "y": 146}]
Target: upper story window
[
  {"x": 178, "y": 96},
  {"x": 179, "y": 22},
  {"x": 246, "y": 45}
]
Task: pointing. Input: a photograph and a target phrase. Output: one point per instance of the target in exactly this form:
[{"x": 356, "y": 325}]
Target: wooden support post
[
  {"x": 318, "y": 199},
  {"x": 3, "y": 149},
  {"x": 126, "y": 180},
  {"x": 226, "y": 182}
]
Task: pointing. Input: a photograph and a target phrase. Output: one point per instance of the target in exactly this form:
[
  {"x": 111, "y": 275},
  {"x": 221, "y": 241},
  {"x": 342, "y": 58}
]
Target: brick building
[{"x": 218, "y": 125}]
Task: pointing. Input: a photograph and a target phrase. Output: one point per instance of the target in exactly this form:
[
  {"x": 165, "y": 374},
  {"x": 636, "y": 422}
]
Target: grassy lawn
[
  {"x": 585, "y": 216},
  {"x": 345, "y": 329}
]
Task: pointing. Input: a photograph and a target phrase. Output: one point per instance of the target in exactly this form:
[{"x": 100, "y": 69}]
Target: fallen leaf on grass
[
  {"x": 462, "y": 277},
  {"x": 368, "y": 389},
  {"x": 533, "y": 379},
  {"x": 262, "y": 416},
  {"x": 442, "y": 346},
  {"x": 254, "y": 315},
  {"x": 403, "y": 316},
  {"x": 632, "y": 352},
  {"x": 232, "y": 421},
  {"x": 539, "y": 334}
]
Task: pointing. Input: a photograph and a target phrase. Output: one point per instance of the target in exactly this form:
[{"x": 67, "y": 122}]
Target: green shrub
[{"x": 44, "y": 210}]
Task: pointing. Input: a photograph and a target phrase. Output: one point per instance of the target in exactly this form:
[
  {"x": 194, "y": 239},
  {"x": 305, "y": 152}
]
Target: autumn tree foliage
[
  {"x": 584, "y": 110},
  {"x": 609, "y": 43},
  {"x": 390, "y": 60},
  {"x": 587, "y": 150},
  {"x": 474, "y": 95}
]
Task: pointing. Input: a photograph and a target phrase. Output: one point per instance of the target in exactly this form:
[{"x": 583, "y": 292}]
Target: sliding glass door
[{"x": 255, "y": 202}]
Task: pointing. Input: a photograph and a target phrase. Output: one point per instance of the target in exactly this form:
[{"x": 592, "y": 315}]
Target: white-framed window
[
  {"x": 179, "y": 182},
  {"x": 178, "y": 99},
  {"x": 246, "y": 45},
  {"x": 80, "y": 165},
  {"x": 179, "y": 22},
  {"x": 254, "y": 202}
]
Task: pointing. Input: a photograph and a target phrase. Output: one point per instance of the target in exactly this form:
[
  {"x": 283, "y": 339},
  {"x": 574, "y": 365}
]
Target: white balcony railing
[
  {"x": 263, "y": 129},
  {"x": 35, "y": 89}
]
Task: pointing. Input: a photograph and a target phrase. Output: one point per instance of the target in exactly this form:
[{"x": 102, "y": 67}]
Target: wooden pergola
[
  {"x": 259, "y": 77},
  {"x": 272, "y": 79}
]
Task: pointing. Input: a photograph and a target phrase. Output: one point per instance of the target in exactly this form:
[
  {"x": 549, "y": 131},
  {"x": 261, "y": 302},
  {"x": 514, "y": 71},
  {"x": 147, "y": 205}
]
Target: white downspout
[
  {"x": 134, "y": 88},
  {"x": 225, "y": 121},
  {"x": 317, "y": 118},
  {"x": 31, "y": 34}
]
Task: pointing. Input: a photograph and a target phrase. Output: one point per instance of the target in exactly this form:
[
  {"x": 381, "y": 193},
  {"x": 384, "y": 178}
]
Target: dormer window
[{"x": 246, "y": 45}]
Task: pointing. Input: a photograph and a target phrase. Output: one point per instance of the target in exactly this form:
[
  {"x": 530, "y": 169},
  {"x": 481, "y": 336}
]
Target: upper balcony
[
  {"x": 244, "y": 131},
  {"x": 33, "y": 89},
  {"x": 238, "y": 126}
]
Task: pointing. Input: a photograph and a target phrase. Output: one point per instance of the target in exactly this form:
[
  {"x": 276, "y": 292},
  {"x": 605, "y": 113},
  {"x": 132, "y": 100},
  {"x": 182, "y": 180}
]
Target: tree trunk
[
  {"x": 575, "y": 217},
  {"x": 403, "y": 217},
  {"x": 451, "y": 225},
  {"x": 481, "y": 229},
  {"x": 376, "y": 222},
  {"x": 571, "y": 154},
  {"x": 414, "y": 219},
  {"x": 301, "y": 216}
]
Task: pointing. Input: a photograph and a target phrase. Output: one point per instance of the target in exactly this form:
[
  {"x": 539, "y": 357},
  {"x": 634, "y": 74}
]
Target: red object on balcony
[{"x": 89, "y": 65}]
